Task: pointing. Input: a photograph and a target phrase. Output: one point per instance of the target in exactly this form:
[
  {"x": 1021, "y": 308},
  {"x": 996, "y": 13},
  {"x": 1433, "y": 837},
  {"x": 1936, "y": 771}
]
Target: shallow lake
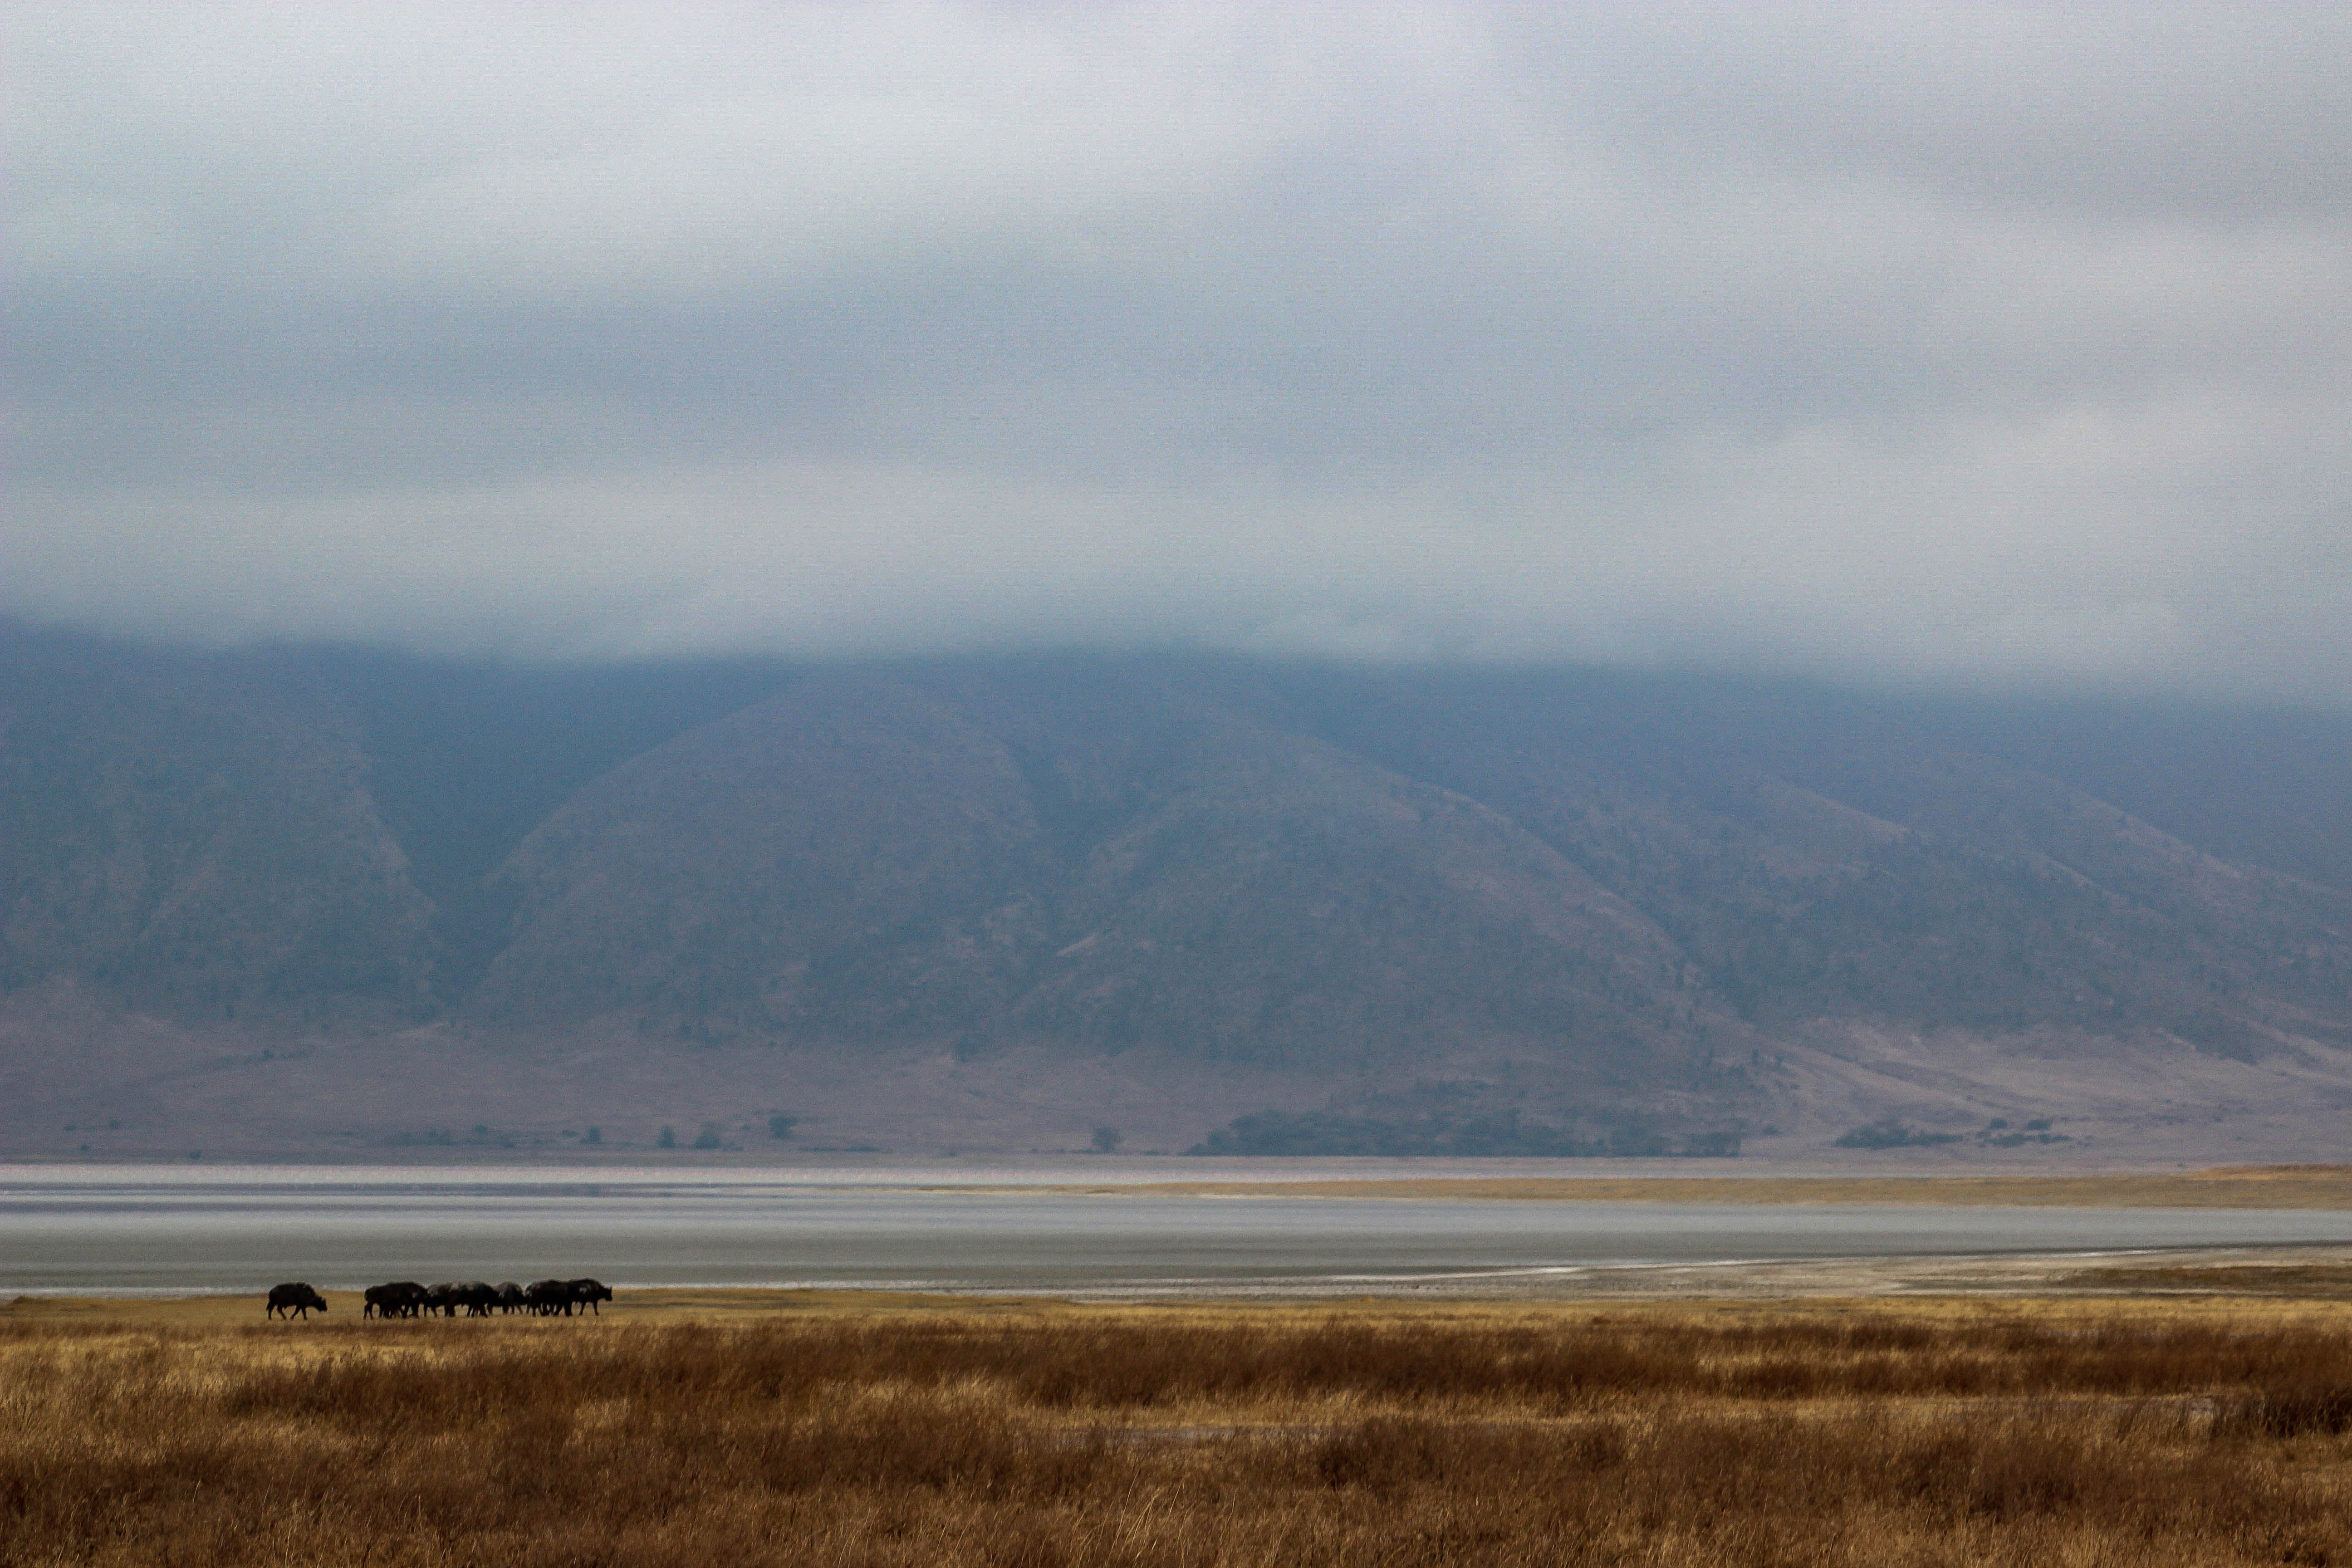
[{"x": 166, "y": 1230}]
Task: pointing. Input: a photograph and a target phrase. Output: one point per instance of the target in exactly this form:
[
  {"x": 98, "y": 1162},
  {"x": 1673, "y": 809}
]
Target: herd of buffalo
[{"x": 403, "y": 1299}]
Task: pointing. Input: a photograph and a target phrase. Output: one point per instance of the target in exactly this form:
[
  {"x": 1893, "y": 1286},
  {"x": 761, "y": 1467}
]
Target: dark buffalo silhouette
[
  {"x": 291, "y": 1299},
  {"x": 477, "y": 1298},
  {"x": 398, "y": 1299},
  {"x": 441, "y": 1300},
  {"x": 588, "y": 1292},
  {"x": 546, "y": 1298},
  {"x": 509, "y": 1297}
]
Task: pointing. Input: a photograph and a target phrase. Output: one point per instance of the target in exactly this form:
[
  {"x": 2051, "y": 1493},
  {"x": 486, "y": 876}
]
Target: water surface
[{"x": 156, "y": 1230}]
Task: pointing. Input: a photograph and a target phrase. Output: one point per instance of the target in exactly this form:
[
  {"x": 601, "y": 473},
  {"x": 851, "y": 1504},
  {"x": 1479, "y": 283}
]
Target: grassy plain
[{"x": 741, "y": 1427}]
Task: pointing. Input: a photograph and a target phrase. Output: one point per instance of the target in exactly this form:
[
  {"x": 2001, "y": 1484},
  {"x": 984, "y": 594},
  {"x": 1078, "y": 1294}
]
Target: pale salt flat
[{"x": 148, "y": 1230}]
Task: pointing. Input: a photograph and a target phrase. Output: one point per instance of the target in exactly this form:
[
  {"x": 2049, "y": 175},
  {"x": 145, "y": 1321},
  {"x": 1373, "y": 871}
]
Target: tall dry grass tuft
[{"x": 1251, "y": 1438}]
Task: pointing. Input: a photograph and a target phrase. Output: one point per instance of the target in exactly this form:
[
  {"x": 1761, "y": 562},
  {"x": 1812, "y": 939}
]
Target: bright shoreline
[
  {"x": 2308, "y": 1273},
  {"x": 2226, "y": 1187}
]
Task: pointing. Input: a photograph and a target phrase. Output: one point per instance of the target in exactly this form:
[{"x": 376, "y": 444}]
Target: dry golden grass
[
  {"x": 2065, "y": 1431},
  {"x": 2310, "y": 1281},
  {"x": 2250, "y": 1186}
]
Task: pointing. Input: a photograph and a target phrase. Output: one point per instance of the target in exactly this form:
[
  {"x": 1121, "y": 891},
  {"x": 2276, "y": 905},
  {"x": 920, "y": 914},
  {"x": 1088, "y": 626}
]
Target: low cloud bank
[{"x": 1935, "y": 344}]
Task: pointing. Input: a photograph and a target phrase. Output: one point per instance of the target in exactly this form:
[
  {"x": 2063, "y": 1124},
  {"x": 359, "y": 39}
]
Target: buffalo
[
  {"x": 398, "y": 1298},
  {"x": 291, "y": 1299},
  {"x": 548, "y": 1298}
]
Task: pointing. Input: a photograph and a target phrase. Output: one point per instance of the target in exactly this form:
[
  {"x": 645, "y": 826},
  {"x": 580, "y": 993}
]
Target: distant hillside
[
  {"x": 197, "y": 836},
  {"x": 1451, "y": 896}
]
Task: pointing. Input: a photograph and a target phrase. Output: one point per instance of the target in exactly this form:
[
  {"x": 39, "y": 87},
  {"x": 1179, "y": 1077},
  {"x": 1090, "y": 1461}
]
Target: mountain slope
[
  {"x": 1573, "y": 897},
  {"x": 848, "y": 857},
  {"x": 197, "y": 836},
  {"x": 1815, "y": 858},
  {"x": 863, "y": 859}
]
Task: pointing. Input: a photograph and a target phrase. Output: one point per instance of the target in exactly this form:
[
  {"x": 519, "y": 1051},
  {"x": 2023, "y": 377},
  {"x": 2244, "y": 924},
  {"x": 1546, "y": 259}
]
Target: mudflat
[
  {"x": 159, "y": 1231},
  {"x": 2228, "y": 1188},
  {"x": 2239, "y": 1276}
]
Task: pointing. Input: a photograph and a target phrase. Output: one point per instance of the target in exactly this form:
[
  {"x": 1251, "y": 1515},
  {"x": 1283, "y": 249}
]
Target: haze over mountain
[
  {"x": 1940, "y": 343},
  {"x": 964, "y": 575},
  {"x": 312, "y": 898}
]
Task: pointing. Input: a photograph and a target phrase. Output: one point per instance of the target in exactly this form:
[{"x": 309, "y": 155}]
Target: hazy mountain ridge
[
  {"x": 1832, "y": 862},
  {"x": 1566, "y": 895},
  {"x": 861, "y": 857},
  {"x": 196, "y": 836}
]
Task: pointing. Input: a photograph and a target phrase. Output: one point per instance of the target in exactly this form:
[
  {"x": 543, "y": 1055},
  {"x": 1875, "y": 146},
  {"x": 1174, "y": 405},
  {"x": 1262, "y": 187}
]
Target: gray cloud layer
[{"x": 1932, "y": 341}]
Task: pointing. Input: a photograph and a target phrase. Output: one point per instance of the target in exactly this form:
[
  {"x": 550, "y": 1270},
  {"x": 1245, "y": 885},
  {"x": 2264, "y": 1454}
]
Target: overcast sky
[{"x": 1911, "y": 342}]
